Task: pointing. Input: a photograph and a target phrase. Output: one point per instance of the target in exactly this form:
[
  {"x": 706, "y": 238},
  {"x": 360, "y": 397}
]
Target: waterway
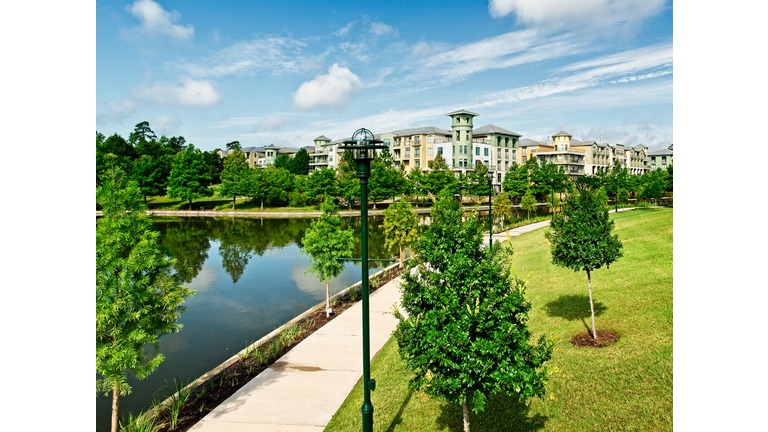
[{"x": 249, "y": 277}]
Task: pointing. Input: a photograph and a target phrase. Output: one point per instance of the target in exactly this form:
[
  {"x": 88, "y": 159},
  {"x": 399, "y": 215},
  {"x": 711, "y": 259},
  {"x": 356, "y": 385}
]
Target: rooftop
[
  {"x": 463, "y": 112},
  {"x": 489, "y": 129}
]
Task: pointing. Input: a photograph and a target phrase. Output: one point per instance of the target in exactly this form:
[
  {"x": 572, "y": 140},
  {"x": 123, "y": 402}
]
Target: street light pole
[
  {"x": 552, "y": 189},
  {"x": 363, "y": 146},
  {"x": 490, "y": 211}
]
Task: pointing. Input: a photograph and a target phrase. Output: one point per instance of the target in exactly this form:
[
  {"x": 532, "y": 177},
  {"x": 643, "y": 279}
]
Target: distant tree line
[{"x": 170, "y": 166}]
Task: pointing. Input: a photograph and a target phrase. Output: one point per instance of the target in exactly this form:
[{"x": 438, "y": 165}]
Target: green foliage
[
  {"x": 580, "y": 236},
  {"x": 466, "y": 337},
  {"x": 150, "y": 175},
  {"x": 476, "y": 183},
  {"x": 440, "y": 178},
  {"x": 141, "y": 132},
  {"x": 322, "y": 184},
  {"x": 279, "y": 183},
  {"x": 516, "y": 181},
  {"x": 528, "y": 202},
  {"x": 400, "y": 227},
  {"x": 123, "y": 152},
  {"x": 214, "y": 165},
  {"x": 233, "y": 145},
  {"x": 235, "y": 177},
  {"x": 300, "y": 163},
  {"x": 503, "y": 206},
  {"x": 283, "y": 161},
  {"x": 138, "y": 298},
  {"x": 386, "y": 181},
  {"x": 325, "y": 241},
  {"x": 189, "y": 176}
]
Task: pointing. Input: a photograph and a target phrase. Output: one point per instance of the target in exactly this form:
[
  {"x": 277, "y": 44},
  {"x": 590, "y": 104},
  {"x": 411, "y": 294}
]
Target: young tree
[
  {"x": 400, "y": 227},
  {"x": 581, "y": 239},
  {"x": 257, "y": 185},
  {"x": 503, "y": 206},
  {"x": 416, "y": 180},
  {"x": 189, "y": 176},
  {"x": 466, "y": 337},
  {"x": 325, "y": 241},
  {"x": 528, "y": 203},
  {"x": 138, "y": 298},
  {"x": 234, "y": 176}
]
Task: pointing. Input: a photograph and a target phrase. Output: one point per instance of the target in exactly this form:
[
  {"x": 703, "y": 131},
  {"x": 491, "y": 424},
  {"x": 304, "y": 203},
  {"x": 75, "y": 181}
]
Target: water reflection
[{"x": 250, "y": 278}]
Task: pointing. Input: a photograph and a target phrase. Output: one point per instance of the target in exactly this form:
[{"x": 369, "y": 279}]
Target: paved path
[{"x": 303, "y": 389}]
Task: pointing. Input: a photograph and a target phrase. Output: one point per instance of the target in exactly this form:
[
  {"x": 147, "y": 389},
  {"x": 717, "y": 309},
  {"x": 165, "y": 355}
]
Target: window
[
  {"x": 663, "y": 159},
  {"x": 416, "y": 140},
  {"x": 465, "y": 150},
  {"x": 386, "y": 142},
  {"x": 506, "y": 142},
  {"x": 506, "y": 154},
  {"x": 418, "y": 162},
  {"x": 466, "y": 135},
  {"x": 485, "y": 152},
  {"x": 439, "y": 150},
  {"x": 498, "y": 177},
  {"x": 417, "y": 153},
  {"x": 477, "y": 151},
  {"x": 431, "y": 138},
  {"x": 458, "y": 136},
  {"x": 498, "y": 140},
  {"x": 430, "y": 151},
  {"x": 498, "y": 153},
  {"x": 506, "y": 165},
  {"x": 407, "y": 152},
  {"x": 458, "y": 119},
  {"x": 524, "y": 149},
  {"x": 533, "y": 150},
  {"x": 525, "y": 158}
]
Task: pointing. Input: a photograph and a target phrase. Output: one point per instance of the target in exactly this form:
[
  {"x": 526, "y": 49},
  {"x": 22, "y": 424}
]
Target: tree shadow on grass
[
  {"x": 574, "y": 307},
  {"x": 503, "y": 413},
  {"x": 399, "y": 417}
]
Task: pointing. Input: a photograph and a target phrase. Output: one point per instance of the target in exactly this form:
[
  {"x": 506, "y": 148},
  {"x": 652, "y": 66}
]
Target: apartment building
[
  {"x": 660, "y": 159},
  {"x": 322, "y": 156},
  {"x": 266, "y": 155}
]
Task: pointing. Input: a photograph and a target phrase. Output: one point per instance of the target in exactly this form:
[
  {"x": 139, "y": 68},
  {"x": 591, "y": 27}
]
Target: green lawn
[{"x": 626, "y": 386}]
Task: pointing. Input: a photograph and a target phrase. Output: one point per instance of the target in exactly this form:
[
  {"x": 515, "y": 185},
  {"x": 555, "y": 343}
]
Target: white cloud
[
  {"x": 332, "y": 90},
  {"x": 192, "y": 93},
  {"x": 569, "y": 13},
  {"x": 381, "y": 29},
  {"x": 117, "y": 112},
  {"x": 274, "y": 54},
  {"x": 156, "y": 21},
  {"x": 344, "y": 30},
  {"x": 166, "y": 124}
]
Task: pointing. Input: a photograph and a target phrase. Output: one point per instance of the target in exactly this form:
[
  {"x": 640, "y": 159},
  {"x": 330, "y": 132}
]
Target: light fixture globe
[{"x": 362, "y": 134}]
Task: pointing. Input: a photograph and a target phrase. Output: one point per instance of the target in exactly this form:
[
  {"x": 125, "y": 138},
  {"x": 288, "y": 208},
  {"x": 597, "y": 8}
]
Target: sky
[{"x": 286, "y": 72}]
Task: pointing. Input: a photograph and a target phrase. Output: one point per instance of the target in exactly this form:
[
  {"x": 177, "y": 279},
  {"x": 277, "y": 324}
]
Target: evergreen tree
[
  {"x": 581, "y": 238},
  {"x": 465, "y": 336},
  {"x": 138, "y": 298},
  {"x": 189, "y": 176},
  {"x": 325, "y": 241},
  {"x": 149, "y": 174}
]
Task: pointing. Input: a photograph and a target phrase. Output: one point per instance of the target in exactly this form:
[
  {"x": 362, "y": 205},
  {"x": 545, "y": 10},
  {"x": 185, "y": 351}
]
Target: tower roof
[
  {"x": 463, "y": 112},
  {"x": 323, "y": 138},
  {"x": 489, "y": 129},
  {"x": 561, "y": 133}
]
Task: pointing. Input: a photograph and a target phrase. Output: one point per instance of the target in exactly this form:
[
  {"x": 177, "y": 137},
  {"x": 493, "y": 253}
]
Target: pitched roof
[
  {"x": 561, "y": 133},
  {"x": 489, "y": 129},
  {"x": 462, "y": 112},
  {"x": 525, "y": 142},
  {"x": 322, "y": 137},
  {"x": 662, "y": 152},
  {"x": 422, "y": 131},
  {"x": 640, "y": 146}
]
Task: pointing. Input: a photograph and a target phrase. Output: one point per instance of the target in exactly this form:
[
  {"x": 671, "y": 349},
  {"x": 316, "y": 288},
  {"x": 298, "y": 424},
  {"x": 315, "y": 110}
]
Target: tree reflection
[
  {"x": 187, "y": 241},
  {"x": 234, "y": 248}
]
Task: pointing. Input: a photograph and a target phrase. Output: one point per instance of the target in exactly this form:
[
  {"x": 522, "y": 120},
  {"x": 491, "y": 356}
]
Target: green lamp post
[
  {"x": 490, "y": 210},
  {"x": 364, "y": 147}
]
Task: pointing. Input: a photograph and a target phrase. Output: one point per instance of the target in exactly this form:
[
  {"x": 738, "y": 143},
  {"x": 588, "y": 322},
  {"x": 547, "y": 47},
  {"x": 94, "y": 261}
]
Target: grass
[{"x": 626, "y": 386}]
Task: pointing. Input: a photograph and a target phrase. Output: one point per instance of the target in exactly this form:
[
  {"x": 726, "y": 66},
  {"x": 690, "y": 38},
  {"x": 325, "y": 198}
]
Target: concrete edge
[{"x": 230, "y": 361}]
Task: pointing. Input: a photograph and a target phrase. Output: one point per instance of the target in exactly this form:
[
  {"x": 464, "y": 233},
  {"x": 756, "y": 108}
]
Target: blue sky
[{"x": 286, "y": 72}]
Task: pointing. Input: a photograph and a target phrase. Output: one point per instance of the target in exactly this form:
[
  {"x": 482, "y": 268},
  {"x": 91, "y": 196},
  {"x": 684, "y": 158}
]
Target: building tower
[{"x": 461, "y": 127}]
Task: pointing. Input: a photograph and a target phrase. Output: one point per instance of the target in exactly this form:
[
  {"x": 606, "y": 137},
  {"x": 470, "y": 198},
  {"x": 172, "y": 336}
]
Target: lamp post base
[{"x": 367, "y": 411}]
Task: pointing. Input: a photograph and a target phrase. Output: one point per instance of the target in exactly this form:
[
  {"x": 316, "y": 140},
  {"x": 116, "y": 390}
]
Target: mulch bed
[
  {"x": 226, "y": 383},
  {"x": 604, "y": 338}
]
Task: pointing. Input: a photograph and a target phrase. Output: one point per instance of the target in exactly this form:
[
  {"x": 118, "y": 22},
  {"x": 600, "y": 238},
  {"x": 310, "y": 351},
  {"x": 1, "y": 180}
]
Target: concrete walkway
[{"x": 303, "y": 389}]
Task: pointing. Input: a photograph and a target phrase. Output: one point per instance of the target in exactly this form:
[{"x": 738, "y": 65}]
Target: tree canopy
[
  {"x": 580, "y": 236},
  {"x": 465, "y": 337},
  {"x": 400, "y": 227},
  {"x": 138, "y": 297},
  {"x": 189, "y": 176}
]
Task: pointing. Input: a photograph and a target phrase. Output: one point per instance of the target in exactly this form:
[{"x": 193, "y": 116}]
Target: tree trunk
[
  {"x": 465, "y": 410},
  {"x": 190, "y": 204},
  {"x": 327, "y": 297},
  {"x": 262, "y": 203},
  {"x": 233, "y": 202},
  {"x": 591, "y": 305},
  {"x": 115, "y": 405},
  {"x": 402, "y": 255}
]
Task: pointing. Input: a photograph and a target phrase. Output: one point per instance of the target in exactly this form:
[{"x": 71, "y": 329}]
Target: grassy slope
[{"x": 627, "y": 386}]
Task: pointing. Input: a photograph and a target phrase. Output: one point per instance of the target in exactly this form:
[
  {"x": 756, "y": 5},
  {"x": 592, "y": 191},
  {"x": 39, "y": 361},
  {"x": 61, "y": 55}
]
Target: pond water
[{"x": 250, "y": 278}]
